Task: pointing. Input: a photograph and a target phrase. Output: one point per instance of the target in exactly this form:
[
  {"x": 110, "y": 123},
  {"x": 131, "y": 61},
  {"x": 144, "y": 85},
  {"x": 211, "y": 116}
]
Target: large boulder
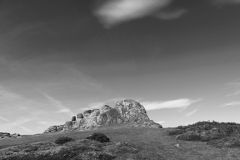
[
  {"x": 109, "y": 116},
  {"x": 87, "y": 113},
  {"x": 5, "y": 135},
  {"x": 125, "y": 112}
]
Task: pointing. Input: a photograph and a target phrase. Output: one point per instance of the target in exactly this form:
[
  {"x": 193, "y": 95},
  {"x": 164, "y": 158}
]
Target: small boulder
[
  {"x": 95, "y": 112},
  {"x": 80, "y": 116},
  {"x": 74, "y": 118},
  {"x": 87, "y": 113}
]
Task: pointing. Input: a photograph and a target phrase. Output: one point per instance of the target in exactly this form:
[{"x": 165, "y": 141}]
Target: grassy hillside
[{"x": 151, "y": 144}]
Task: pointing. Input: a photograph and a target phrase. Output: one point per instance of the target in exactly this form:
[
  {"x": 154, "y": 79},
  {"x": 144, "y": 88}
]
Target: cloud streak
[
  {"x": 226, "y": 1},
  {"x": 191, "y": 113},
  {"x": 11, "y": 102},
  {"x": 43, "y": 122},
  {"x": 113, "y": 12},
  {"x": 100, "y": 104},
  {"x": 172, "y": 104},
  {"x": 236, "y": 103},
  {"x": 171, "y": 15},
  {"x": 17, "y": 123},
  {"x": 234, "y": 85},
  {"x": 160, "y": 122},
  {"x": 58, "y": 104}
]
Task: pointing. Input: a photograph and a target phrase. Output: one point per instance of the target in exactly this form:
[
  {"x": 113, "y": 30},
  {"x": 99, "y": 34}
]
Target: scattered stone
[{"x": 4, "y": 135}]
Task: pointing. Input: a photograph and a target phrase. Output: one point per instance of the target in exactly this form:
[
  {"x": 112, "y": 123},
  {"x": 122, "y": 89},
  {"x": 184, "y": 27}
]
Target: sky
[{"x": 179, "y": 58}]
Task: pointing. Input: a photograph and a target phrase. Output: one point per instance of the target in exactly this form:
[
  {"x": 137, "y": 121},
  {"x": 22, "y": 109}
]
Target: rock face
[
  {"x": 125, "y": 112},
  {"x": 54, "y": 129},
  {"x": 4, "y": 135}
]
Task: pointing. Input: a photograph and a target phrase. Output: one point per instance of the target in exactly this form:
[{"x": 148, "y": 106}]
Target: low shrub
[
  {"x": 189, "y": 137},
  {"x": 62, "y": 140},
  {"x": 215, "y": 133},
  {"x": 231, "y": 142},
  {"x": 176, "y": 132},
  {"x": 99, "y": 137}
]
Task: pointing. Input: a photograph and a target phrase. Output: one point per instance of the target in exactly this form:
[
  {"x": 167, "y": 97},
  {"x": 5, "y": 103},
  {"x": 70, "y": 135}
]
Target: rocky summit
[{"x": 127, "y": 112}]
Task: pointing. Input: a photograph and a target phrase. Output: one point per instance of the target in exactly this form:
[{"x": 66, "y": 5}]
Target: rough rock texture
[
  {"x": 54, "y": 129},
  {"x": 125, "y": 112},
  {"x": 4, "y": 135}
]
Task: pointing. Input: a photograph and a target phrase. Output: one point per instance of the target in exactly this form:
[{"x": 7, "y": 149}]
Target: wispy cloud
[
  {"x": 6, "y": 95},
  {"x": 58, "y": 104},
  {"x": 226, "y": 1},
  {"x": 12, "y": 102},
  {"x": 102, "y": 103},
  {"x": 233, "y": 85},
  {"x": 17, "y": 123},
  {"x": 113, "y": 12},
  {"x": 83, "y": 78},
  {"x": 191, "y": 113},
  {"x": 236, "y": 103},
  {"x": 43, "y": 122},
  {"x": 64, "y": 111},
  {"x": 171, "y": 15},
  {"x": 160, "y": 122},
  {"x": 179, "y": 103}
]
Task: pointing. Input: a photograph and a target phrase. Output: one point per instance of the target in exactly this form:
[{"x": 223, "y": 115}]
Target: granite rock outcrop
[{"x": 128, "y": 112}]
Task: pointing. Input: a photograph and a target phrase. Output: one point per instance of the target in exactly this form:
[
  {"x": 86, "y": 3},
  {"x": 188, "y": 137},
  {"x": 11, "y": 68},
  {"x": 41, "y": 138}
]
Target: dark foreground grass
[{"x": 152, "y": 144}]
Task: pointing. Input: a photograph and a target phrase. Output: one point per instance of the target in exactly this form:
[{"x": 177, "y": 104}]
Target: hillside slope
[{"x": 142, "y": 144}]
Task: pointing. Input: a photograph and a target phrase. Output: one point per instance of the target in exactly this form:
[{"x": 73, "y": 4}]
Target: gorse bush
[
  {"x": 207, "y": 131},
  {"x": 226, "y": 142},
  {"x": 189, "y": 137},
  {"x": 176, "y": 132},
  {"x": 62, "y": 140},
  {"x": 99, "y": 137}
]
